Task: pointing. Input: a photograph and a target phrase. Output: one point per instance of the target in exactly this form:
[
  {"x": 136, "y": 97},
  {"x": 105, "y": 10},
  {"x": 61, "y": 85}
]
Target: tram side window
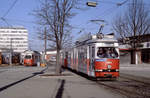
[
  {"x": 106, "y": 52},
  {"x": 93, "y": 52},
  {"x": 36, "y": 57},
  {"x": 66, "y": 55}
]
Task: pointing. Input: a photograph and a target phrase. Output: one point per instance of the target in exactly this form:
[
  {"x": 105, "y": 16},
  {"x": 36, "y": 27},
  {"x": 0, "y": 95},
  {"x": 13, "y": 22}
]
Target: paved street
[
  {"x": 22, "y": 83},
  {"x": 40, "y": 82},
  {"x": 11, "y": 76},
  {"x": 141, "y": 70}
]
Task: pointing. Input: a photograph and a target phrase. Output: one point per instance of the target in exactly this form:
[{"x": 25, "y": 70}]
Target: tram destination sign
[{"x": 109, "y": 44}]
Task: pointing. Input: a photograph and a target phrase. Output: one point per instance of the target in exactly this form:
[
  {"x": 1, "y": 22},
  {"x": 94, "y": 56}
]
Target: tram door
[{"x": 91, "y": 57}]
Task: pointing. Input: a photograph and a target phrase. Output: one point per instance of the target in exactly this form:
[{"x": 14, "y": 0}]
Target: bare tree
[
  {"x": 134, "y": 23},
  {"x": 55, "y": 15}
]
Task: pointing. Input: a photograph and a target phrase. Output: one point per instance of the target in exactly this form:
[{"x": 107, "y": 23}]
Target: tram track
[
  {"x": 1, "y": 71},
  {"x": 129, "y": 87}
]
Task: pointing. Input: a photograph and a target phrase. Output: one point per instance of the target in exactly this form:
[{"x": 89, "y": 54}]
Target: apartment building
[{"x": 14, "y": 39}]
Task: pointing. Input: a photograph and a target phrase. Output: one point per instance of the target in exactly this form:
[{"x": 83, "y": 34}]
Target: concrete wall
[{"x": 125, "y": 57}]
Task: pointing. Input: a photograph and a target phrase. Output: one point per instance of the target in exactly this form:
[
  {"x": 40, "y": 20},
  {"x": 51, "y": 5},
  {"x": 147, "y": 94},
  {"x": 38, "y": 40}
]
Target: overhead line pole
[
  {"x": 45, "y": 44},
  {"x": 10, "y": 58}
]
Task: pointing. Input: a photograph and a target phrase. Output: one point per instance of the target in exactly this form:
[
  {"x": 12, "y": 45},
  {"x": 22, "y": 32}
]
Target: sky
[{"x": 19, "y": 13}]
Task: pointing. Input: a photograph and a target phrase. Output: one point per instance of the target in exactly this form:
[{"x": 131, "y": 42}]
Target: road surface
[{"x": 29, "y": 82}]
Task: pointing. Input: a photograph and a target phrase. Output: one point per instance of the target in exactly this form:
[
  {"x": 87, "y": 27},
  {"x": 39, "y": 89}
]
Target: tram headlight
[{"x": 109, "y": 66}]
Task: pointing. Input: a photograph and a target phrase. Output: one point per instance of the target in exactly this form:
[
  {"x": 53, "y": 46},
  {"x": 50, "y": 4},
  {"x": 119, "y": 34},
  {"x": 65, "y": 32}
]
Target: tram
[
  {"x": 94, "y": 55},
  {"x": 31, "y": 58}
]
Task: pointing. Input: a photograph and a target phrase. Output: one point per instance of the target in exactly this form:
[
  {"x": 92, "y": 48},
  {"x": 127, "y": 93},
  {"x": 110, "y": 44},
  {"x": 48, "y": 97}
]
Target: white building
[{"x": 13, "y": 38}]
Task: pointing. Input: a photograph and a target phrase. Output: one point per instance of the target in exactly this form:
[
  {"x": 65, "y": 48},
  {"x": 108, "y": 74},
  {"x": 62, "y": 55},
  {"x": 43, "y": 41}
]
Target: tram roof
[
  {"x": 95, "y": 39},
  {"x": 30, "y": 51}
]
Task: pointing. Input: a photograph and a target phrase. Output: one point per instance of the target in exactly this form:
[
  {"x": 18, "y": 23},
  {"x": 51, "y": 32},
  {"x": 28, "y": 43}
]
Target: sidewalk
[
  {"x": 47, "y": 85},
  {"x": 139, "y": 70},
  {"x": 70, "y": 85}
]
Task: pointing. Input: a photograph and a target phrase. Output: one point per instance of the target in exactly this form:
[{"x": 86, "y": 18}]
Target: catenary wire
[{"x": 10, "y": 8}]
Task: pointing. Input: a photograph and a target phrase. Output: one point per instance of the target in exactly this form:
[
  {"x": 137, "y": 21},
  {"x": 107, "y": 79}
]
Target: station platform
[{"x": 71, "y": 85}]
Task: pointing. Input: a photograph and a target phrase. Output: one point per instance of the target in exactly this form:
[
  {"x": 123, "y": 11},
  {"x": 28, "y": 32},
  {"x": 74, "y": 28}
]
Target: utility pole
[
  {"x": 10, "y": 58},
  {"x": 43, "y": 63},
  {"x": 45, "y": 44}
]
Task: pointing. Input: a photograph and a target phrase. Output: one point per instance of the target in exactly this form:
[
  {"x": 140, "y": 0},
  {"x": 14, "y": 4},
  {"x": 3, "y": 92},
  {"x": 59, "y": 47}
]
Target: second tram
[{"x": 31, "y": 58}]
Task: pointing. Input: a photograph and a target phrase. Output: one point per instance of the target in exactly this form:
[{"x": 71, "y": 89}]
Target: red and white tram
[
  {"x": 94, "y": 55},
  {"x": 31, "y": 58}
]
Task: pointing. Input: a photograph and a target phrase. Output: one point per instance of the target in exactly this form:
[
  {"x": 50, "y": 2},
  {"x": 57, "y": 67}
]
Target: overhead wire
[
  {"x": 83, "y": 28},
  {"x": 125, "y": 1},
  {"x": 10, "y": 8},
  {"x": 18, "y": 20},
  {"x": 112, "y": 9},
  {"x": 6, "y": 13},
  {"x": 108, "y": 11},
  {"x": 3, "y": 19}
]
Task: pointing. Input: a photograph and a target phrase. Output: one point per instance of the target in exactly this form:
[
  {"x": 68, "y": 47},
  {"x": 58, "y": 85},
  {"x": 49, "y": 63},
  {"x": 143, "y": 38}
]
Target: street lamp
[
  {"x": 91, "y": 4},
  {"x": 97, "y": 20}
]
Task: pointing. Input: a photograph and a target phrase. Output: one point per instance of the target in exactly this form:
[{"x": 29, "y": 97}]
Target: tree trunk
[
  {"x": 136, "y": 56},
  {"x": 133, "y": 59},
  {"x": 58, "y": 66}
]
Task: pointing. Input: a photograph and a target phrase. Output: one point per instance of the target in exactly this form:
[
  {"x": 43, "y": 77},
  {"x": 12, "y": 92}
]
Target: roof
[
  {"x": 141, "y": 38},
  {"x": 99, "y": 38},
  {"x": 50, "y": 49},
  {"x": 30, "y": 51},
  {"x": 15, "y": 27}
]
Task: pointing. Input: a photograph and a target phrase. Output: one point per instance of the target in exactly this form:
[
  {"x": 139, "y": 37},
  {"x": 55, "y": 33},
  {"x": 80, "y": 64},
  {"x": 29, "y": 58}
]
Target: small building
[
  {"x": 142, "y": 51},
  {"x": 50, "y": 54}
]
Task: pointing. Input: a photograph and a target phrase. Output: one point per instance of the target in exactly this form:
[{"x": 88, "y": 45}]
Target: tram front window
[
  {"x": 28, "y": 57},
  {"x": 107, "y": 52}
]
